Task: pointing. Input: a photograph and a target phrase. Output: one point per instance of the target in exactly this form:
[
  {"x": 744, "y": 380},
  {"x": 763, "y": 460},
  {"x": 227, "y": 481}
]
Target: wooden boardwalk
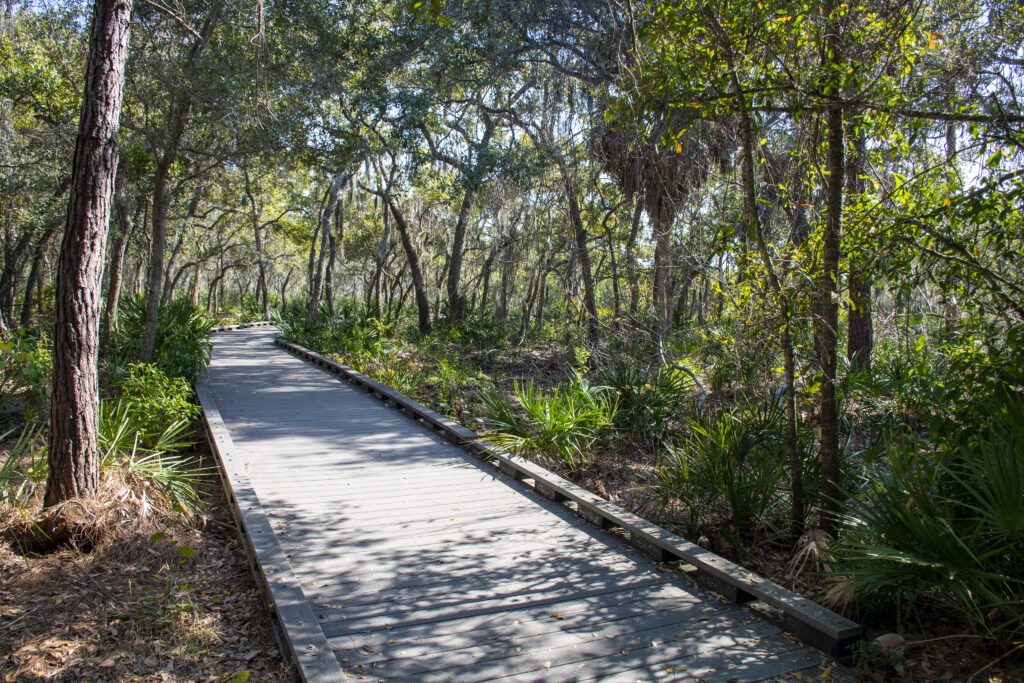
[{"x": 408, "y": 558}]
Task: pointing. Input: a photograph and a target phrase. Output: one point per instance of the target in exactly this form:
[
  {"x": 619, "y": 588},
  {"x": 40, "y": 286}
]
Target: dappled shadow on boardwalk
[{"x": 423, "y": 563}]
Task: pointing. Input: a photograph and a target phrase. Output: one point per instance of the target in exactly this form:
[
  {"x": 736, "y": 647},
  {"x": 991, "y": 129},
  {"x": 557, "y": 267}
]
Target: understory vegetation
[{"x": 146, "y": 430}]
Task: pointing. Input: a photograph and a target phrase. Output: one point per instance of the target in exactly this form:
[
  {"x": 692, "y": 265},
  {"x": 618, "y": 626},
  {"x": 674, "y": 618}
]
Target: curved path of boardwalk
[{"x": 406, "y": 558}]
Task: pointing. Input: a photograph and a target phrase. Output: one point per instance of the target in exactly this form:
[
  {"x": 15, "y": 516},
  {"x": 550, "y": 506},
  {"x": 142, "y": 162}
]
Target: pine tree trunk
[{"x": 74, "y": 413}]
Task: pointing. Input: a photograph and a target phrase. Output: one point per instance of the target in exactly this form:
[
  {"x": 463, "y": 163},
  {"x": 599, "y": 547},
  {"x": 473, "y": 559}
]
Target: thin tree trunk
[
  {"x": 860, "y": 327},
  {"x": 582, "y": 255},
  {"x": 826, "y": 323},
  {"x": 456, "y": 300},
  {"x": 257, "y": 233},
  {"x": 754, "y": 230},
  {"x": 123, "y": 234},
  {"x": 73, "y": 453},
  {"x": 632, "y": 276},
  {"x": 162, "y": 194},
  {"x": 663, "y": 273},
  {"x": 412, "y": 258},
  {"x": 316, "y": 271},
  {"x": 613, "y": 262},
  {"x": 34, "y": 278}
]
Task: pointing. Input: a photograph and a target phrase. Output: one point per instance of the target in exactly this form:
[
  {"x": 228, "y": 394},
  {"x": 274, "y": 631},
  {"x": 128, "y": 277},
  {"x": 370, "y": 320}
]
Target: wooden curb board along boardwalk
[{"x": 410, "y": 559}]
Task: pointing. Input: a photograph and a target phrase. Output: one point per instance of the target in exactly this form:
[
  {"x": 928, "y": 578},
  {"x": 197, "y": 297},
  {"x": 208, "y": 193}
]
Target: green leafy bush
[
  {"x": 649, "y": 402},
  {"x": 353, "y": 333},
  {"x": 25, "y": 466},
  {"x": 144, "y": 455},
  {"x": 147, "y": 456},
  {"x": 26, "y": 365},
  {"x": 949, "y": 525},
  {"x": 157, "y": 401},
  {"x": 559, "y": 427},
  {"x": 183, "y": 344},
  {"x": 732, "y": 466}
]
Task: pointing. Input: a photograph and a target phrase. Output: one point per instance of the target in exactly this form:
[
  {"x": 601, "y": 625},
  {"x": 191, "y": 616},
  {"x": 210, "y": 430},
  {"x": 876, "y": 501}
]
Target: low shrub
[
  {"x": 731, "y": 469},
  {"x": 650, "y": 402},
  {"x": 558, "y": 427},
  {"x": 26, "y": 366},
  {"x": 183, "y": 345},
  {"x": 141, "y": 468},
  {"x": 157, "y": 401},
  {"x": 947, "y": 525}
]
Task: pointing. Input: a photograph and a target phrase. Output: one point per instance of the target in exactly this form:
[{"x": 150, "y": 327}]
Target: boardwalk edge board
[
  {"x": 816, "y": 625},
  {"x": 296, "y": 625},
  {"x": 242, "y": 326}
]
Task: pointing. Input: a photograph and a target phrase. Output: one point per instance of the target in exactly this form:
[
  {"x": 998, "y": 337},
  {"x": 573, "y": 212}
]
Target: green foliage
[
  {"x": 733, "y": 462},
  {"x": 449, "y": 383},
  {"x": 158, "y": 401},
  {"x": 26, "y": 365},
  {"x": 353, "y": 333},
  {"x": 146, "y": 455},
  {"x": 183, "y": 345},
  {"x": 948, "y": 525},
  {"x": 132, "y": 446},
  {"x": 397, "y": 376},
  {"x": 650, "y": 402},
  {"x": 25, "y": 466},
  {"x": 559, "y": 427}
]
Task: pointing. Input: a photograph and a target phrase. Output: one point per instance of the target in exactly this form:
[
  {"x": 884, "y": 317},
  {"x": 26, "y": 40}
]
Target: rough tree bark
[{"x": 74, "y": 413}]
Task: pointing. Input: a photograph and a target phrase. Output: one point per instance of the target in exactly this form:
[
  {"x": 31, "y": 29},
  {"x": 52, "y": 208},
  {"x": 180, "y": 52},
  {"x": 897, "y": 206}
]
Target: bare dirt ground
[{"x": 178, "y": 607}]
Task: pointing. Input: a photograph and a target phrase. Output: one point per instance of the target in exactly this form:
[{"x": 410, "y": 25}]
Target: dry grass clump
[{"x": 124, "y": 509}]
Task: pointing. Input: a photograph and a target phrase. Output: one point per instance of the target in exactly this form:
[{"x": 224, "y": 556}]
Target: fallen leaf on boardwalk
[
  {"x": 556, "y": 615},
  {"x": 368, "y": 648},
  {"x": 625, "y": 652}
]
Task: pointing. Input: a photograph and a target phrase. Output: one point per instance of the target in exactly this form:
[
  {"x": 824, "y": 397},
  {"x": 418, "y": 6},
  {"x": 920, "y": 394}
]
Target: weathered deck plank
[{"x": 420, "y": 562}]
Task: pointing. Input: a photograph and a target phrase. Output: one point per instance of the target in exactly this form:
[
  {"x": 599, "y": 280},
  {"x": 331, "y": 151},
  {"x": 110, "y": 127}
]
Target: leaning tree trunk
[
  {"x": 162, "y": 192},
  {"x": 316, "y": 263},
  {"x": 415, "y": 270},
  {"x": 73, "y": 453},
  {"x": 582, "y": 257}
]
